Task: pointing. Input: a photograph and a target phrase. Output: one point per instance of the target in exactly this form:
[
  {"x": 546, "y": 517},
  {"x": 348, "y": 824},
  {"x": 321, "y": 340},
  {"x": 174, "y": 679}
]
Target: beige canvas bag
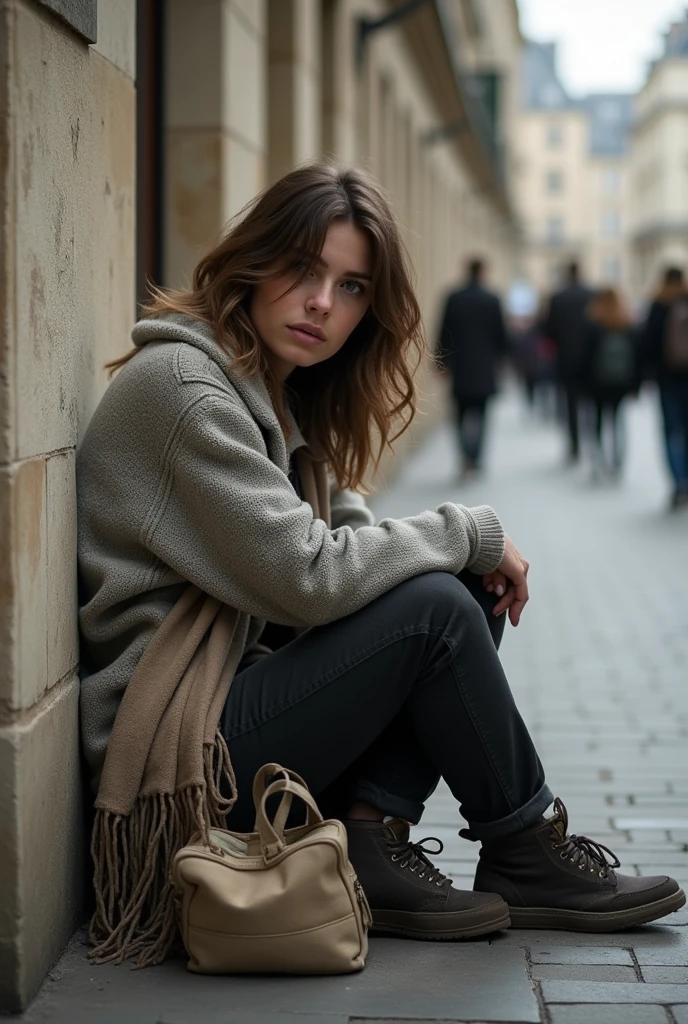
[{"x": 274, "y": 900}]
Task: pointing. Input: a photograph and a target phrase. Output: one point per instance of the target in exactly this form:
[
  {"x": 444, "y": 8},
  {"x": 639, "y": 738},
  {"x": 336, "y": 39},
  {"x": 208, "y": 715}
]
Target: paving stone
[
  {"x": 679, "y": 919},
  {"x": 652, "y": 838},
  {"x": 680, "y": 1014},
  {"x": 661, "y": 822},
  {"x": 583, "y": 972},
  {"x": 608, "y": 1014},
  {"x": 478, "y": 981},
  {"x": 670, "y": 858},
  {"x": 581, "y": 954},
  {"x": 229, "y": 1016},
  {"x": 668, "y": 943},
  {"x": 607, "y": 992},
  {"x": 674, "y": 954},
  {"x": 664, "y": 975}
]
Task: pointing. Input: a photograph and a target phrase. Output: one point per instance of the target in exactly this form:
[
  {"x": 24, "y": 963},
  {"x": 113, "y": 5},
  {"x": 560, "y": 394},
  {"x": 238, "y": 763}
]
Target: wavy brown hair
[
  {"x": 608, "y": 310},
  {"x": 673, "y": 286},
  {"x": 352, "y": 406}
]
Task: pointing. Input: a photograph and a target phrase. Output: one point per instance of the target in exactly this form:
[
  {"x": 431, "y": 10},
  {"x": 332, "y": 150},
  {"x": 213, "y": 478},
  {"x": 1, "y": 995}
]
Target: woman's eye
[{"x": 353, "y": 287}]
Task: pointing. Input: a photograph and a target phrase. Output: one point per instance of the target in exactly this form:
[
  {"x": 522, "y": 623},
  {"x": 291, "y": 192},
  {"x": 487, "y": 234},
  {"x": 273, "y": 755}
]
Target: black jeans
[
  {"x": 674, "y": 398},
  {"x": 381, "y": 704},
  {"x": 470, "y": 420},
  {"x": 572, "y": 399}
]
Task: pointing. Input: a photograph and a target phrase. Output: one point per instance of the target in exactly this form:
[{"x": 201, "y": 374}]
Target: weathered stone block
[
  {"x": 254, "y": 13},
  {"x": 24, "y": 669},
  {"x": 38, "y": 598},
  {"x": 243, "y": 175},
  {"x": 62, "y": 628},
  {"x": 193, "y": 205},
  {"x": 193, "y": 47},
  {"x": 117, "y": 34},
  {"x": 244, "y": 82},
  {"x": 73, "y": 140},
  {"x": 41, "y": 845}
]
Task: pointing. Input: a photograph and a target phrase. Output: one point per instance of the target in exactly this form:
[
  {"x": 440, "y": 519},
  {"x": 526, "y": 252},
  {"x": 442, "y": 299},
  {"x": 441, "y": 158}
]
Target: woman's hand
[{"x": 509, "y": 581}]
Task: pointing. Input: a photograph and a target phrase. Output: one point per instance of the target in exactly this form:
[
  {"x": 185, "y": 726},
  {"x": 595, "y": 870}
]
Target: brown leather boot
[
  {"x": 550, "y": 879},
  {"x": 408, "y": 895}
]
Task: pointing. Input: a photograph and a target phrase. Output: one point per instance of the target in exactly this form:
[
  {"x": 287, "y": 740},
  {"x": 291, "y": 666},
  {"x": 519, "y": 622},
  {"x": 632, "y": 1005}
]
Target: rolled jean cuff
[
  {"x": 389, "y": 803},
  {"x": 517, "y": 820}
]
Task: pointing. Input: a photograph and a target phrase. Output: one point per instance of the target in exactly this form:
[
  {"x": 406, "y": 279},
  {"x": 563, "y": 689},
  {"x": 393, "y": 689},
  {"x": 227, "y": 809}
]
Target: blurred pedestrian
[
  {"x": 534, "y": 360},
  {"x": 566, "y": 326},
  {"x": 610, "y": 373},
  {"x": 472, "y": 341},
  {"x": 665, "y": 356}
]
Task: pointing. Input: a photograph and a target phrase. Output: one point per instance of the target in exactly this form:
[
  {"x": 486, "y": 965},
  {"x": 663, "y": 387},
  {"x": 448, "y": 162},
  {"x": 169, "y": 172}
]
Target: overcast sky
[{"x": 604, "y": 45}]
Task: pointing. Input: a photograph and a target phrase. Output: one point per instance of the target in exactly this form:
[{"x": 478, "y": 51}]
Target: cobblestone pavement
[{"x": 599, "y": 668}]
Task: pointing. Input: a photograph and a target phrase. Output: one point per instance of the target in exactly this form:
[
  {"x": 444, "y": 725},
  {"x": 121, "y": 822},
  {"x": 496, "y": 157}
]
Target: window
[
  {"x": 554, "y": 182},
  {"x": 611, "y": 270},
  {"x": 611, "y": 224},
  {"x": 550, "y": 95},
  {"x": 554, "y": 134},
  {"x": 555, "y": 228},
  {"x": 611, "y": 181}
]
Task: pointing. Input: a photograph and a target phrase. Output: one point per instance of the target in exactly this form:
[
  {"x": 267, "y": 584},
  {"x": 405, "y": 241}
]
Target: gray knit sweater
[{"x": 182, "y": 476}]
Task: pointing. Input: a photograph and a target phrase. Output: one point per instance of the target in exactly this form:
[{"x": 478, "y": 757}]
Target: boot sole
[
  {"x": 583, "y": 921},
  {"x": 443, "y": 927}
]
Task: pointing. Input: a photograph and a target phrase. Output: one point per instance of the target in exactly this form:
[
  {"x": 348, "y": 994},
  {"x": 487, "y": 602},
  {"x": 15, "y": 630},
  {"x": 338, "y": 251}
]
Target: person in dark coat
[
  {"x": 472, "y": 341},
  {"x": 611, "y": 372},
  {"x": 664, "y": 358},
  {"x": 566, "y": 326}
]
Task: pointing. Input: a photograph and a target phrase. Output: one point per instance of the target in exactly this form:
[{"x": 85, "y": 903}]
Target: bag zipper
[{"x": 363, "y": 902}]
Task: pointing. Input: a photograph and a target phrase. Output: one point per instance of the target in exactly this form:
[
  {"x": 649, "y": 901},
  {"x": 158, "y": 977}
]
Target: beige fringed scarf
[{"x": 167, "y": 764}]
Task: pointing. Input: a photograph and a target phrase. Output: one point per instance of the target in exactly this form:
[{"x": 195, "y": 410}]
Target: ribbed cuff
[{"x": 490, "y": 540}]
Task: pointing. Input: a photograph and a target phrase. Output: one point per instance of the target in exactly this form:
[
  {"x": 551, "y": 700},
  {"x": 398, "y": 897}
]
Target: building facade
[
  {"x": 131, "y": 134},
  {"x": 571, "y": 180},
  {"x": 659, "y": 165}
]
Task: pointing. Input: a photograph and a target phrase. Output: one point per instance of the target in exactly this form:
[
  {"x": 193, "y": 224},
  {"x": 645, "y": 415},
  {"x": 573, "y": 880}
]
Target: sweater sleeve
[
  {"x": 349, "y": 509},
  {"x": 228, "y": 520}
]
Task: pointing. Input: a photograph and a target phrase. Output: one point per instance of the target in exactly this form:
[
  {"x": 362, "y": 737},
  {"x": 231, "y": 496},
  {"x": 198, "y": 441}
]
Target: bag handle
[
  {"x": 272, "y": 833},
  {"x": 260, "y": 783}
]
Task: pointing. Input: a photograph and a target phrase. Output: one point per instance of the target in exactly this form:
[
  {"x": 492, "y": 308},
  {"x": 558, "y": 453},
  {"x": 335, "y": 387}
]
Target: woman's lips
[{"x": 305, "y": 336}]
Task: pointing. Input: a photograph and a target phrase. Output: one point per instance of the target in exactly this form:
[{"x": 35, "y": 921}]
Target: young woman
[
  {"x": 665, "y": 357},
  {"x": 611, "y": 373},
  {"x": 362, "y": 656}
]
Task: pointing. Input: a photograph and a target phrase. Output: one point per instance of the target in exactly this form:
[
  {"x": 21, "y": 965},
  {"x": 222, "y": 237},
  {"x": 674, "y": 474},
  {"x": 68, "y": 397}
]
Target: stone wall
[
  {"x": 215, "y": 127},
  {"x": 67, "y": 118}
]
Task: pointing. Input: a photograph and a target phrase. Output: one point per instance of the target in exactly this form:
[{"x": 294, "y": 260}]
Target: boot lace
[
  {"x": 414, "y": 856},
  {"x": 585, "y": 853}
]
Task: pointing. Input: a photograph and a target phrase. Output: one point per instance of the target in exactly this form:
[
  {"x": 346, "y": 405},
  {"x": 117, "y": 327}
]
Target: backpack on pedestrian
[
  {"x": 676, "y": 337},
  {"x": 615, "y": 361}
]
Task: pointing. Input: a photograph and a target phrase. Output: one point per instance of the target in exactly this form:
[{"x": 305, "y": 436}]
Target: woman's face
[{"x": 311, "y": 322}]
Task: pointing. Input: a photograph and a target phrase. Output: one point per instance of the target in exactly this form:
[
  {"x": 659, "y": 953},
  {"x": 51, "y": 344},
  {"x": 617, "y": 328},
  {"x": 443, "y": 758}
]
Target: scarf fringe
[{"x": 132, "y": 855}]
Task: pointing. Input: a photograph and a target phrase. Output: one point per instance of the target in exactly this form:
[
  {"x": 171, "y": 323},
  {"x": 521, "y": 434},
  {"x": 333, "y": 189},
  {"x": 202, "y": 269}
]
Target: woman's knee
[{"x": 444, "y": 598}]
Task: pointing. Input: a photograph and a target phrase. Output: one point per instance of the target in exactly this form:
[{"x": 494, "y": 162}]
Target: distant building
[
  {"x": 659, "y": 164},
  {"x": 571, "y": 176}
]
